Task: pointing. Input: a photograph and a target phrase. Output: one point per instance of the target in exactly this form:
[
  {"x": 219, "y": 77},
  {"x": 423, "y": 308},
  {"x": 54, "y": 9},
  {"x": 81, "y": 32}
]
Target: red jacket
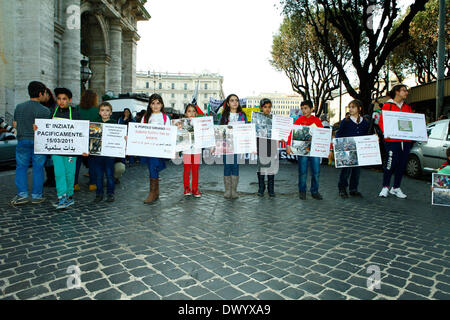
[
  {"x": 392, "y": 106},
  {"x": 304, "y": 121}
]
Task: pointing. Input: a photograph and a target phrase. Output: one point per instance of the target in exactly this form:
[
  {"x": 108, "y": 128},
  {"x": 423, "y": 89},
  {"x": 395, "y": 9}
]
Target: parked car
[
  {"x": 428, "y": 156},
  {"x": 135, "y": 105},
  {"x": 8, "y": 143}
]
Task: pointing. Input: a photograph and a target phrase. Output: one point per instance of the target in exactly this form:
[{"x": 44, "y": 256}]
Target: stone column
[
  {"x": 71, "y": 47},
  {"x": 99, "y": 65},
  {"x": 129, "y": 61},
  {"x": 115, "y": 68}
]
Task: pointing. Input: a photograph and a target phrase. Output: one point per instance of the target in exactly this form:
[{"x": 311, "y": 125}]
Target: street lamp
[{"x": 86, "y": 73}]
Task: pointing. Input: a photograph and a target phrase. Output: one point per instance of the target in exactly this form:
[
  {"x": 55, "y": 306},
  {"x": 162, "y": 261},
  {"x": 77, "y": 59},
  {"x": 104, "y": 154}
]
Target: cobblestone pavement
[{"x": 213, "y": 248}]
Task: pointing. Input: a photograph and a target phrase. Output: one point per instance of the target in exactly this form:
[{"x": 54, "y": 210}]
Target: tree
[
  {"x": 370, "y": 46},
  {"x": 311, "y": 73},
  {"x": 419, "y": 54}
]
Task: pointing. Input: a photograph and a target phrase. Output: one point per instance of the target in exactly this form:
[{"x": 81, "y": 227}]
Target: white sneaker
[
  {"x": 384, "y": 192},
  {"x": 398, "y": 192}
]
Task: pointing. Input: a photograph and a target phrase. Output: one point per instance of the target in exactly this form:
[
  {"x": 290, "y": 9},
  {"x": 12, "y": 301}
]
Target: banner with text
[
  {"x": 107, "y": 139},
  {"x": 311, "y": 141},
  {"x": 147, "y": 140},
  {"x": 356, "y": 151},
  {"x": 404, "y": 125},
  {"x": 204, "y": 132}
]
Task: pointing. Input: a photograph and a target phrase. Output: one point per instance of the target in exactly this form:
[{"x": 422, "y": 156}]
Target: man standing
[{"x": 24, "y": 118}]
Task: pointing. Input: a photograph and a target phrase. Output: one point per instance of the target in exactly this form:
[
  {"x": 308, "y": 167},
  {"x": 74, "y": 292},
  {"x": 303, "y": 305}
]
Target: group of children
[{"x": 354, "y": 125}]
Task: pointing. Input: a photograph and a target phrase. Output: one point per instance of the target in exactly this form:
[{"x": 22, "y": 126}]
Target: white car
[{"x": 135, "y": 105}]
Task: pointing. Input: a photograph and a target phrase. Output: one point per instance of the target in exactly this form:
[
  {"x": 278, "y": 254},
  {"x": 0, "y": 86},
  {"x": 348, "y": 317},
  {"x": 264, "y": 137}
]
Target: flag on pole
[{"x": 194, "y": 101}]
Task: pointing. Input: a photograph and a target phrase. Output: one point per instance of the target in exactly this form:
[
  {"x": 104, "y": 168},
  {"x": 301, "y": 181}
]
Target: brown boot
[{"x": 152, "y": 195}]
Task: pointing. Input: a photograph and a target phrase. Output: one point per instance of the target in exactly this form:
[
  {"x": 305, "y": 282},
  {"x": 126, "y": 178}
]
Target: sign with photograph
[
  {"x": 263, "y": 125},
  {"x": 223, "y": 136},
  {"x": 311, "y": 141},
  {"x": 61, "y": 136},
  {"x": 441, "y": 189},
  {"x": 404, "y": 125},
  {"x": 107, "y": 139},
  {"x": 204, "y": 132},
  {"x": 357, "y": 151},
  {"x": 185, "y": 134},
  {"x": 148, "y": 140}
]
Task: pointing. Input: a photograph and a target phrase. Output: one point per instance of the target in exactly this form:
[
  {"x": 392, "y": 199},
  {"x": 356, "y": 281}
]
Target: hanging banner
[
  {"x": 311, "y": 141},
  {"x": 405, "y": 126},
  {"x": 61, "y": 136},
  {"x": 107, "y": 139},
  {"x": 185, "y": 134},
  {"x": 263, "y": 124},
  {"x": 357, "y": 151},
  {"x": 281, "y": 127},
  {"x": 147, "y": 140},
  {"x": 204, "y": 132},
  {"x": 244, "y": 136},
  {"x": 441, "y": 190}
]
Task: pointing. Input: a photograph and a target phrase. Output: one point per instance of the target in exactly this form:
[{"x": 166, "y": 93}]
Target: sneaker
[
  {"x": 69, "y": 202},
  {"x": 17, "y": 200},
  {"x": 92, "y": 187},
  {"x": 356, "y": 194},
  {"x": 86, "y": 175},
  {"x": 343, "y": 194},
  {"x": 187, "y": 191},
  {"x": 61, "y": 203},
  {"x": 398, "y": 192},
  {"x": 384, "y": 192},
  {"x": 37, "y": 200},
  {"x": 98, "y": 198},
  {"x": 197, "y": 194},
  {"x": 302, "y": 195},
  {"x": 76, "y": 188},
  {"x": 110, "y": 198},
  {"x": 317, "y": 196}
]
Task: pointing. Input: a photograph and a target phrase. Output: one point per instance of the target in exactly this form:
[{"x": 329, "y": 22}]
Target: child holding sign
[
  {"x": 307, "y": 120},
  {"x": 232, "y": 112},
  {"x": 397, "y": 150},
  {"x": 191, "y": 160},
  {"x": 155, "y": 115},
  {"x": 353, "y": 126},
  {"x": 104, "y": 165}
]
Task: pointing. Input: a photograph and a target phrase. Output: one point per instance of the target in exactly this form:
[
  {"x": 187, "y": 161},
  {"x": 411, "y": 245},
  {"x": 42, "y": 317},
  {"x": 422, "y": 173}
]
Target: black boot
[
  {"x": 271, "y": 185},
  {"x": 261, "y": 185},
  {"x": 50, "y": 182}
]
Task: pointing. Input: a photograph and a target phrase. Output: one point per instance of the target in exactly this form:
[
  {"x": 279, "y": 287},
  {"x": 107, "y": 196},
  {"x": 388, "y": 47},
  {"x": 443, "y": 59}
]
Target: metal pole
[
  {"x": 441, "y": 58},
  {"x": 340, "y": 100}
]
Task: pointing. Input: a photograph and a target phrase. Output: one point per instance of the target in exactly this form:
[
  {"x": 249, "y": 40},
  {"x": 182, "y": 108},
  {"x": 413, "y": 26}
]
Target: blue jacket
[{"x": 348, "y": 128}]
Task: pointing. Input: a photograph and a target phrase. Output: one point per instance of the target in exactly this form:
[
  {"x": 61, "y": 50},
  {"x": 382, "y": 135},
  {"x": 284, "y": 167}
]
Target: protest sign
[
  {"x": 404, "y": 125},
  {"x": 185, "y": 134},
  {"x": 204, "y": 132},
  {"x": 61, "y": 136},
  {"x": 149, "y": 140},
  {"x": 249, "y": 111},
  {"x": 357, "y": 151},
  {"x": 107, "y": 139},
  {"x": 223, "y": 136},
  {"x": 281, "y": 127},
  {"x": 441, "y": 189},
  {"x": 311, "y": 141},
  {"x": 244, "y": 136},
  {"x": 263, "y": 124}
]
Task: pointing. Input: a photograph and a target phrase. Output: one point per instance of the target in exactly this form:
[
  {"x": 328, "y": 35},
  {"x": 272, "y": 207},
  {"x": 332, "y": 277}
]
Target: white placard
[
  {"x": 281, "y": 127},
  {"x": 356, "y": 151},
  {"x": 147, "y": 140},
  {"x": 224, "y": 140},
  {"x": 404, "y": 126},
  {"x": 441, "y": 189},
  {"x": 244, "y": 138},
  {"x": 204, "y": 132},
  {"x": 107, "y": 139},
  {"x": 311, "y": 141},
  {"x": 263, "y": 124},
  {"x": 185, "y": 134},
  {"x": 61, "y": 136}
]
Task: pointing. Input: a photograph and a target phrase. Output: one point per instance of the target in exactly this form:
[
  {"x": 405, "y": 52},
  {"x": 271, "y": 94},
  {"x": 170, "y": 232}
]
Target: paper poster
[
  {"x": 244, "y": 136},
  {"x": 107, "y": 139},
  {"x": 357, "y": 151},
  {"x": 61, "y": 136},
  {"x": 148, "y": 140},
  {"x": 281, "y": 127},
  {"x": 404, "y": 125},
  {"x": 204, "y": 132},
  {"x": 441, "y": 190},
  {"x": 311, "y": 141},
  {"x": 185, "y": 134},
  {"x": 224, "y": 140},
  {"x": 263, "y": 125}
]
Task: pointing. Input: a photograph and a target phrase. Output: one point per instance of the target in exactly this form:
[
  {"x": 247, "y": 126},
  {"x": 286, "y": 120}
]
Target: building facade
[
  {"x": 281, "y": 103},
  {"x": 45, "y": 40},
  {"x": 177, "y": 89}
]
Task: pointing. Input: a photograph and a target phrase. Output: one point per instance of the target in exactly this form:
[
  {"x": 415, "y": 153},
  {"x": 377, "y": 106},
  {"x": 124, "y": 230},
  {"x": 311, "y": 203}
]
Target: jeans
[
  {"x": 155, "y": 165},
  {"x": 314, "y": 163},
  {"x": 230, "y": 169},
  {"x": 25, "y": 154},
  {"x": 353, "y": 173},
  {"x": 65, "y": 168},
  {"x": 104, "y": 166},
  {"x": 397, "y": 158}
]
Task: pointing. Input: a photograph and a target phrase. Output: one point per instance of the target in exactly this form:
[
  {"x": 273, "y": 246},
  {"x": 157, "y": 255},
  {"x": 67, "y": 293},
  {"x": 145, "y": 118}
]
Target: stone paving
[{"x": 213, "y": 248}]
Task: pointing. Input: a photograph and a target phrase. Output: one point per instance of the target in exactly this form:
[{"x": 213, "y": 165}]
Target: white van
[{"x": 135, "y": 105}]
